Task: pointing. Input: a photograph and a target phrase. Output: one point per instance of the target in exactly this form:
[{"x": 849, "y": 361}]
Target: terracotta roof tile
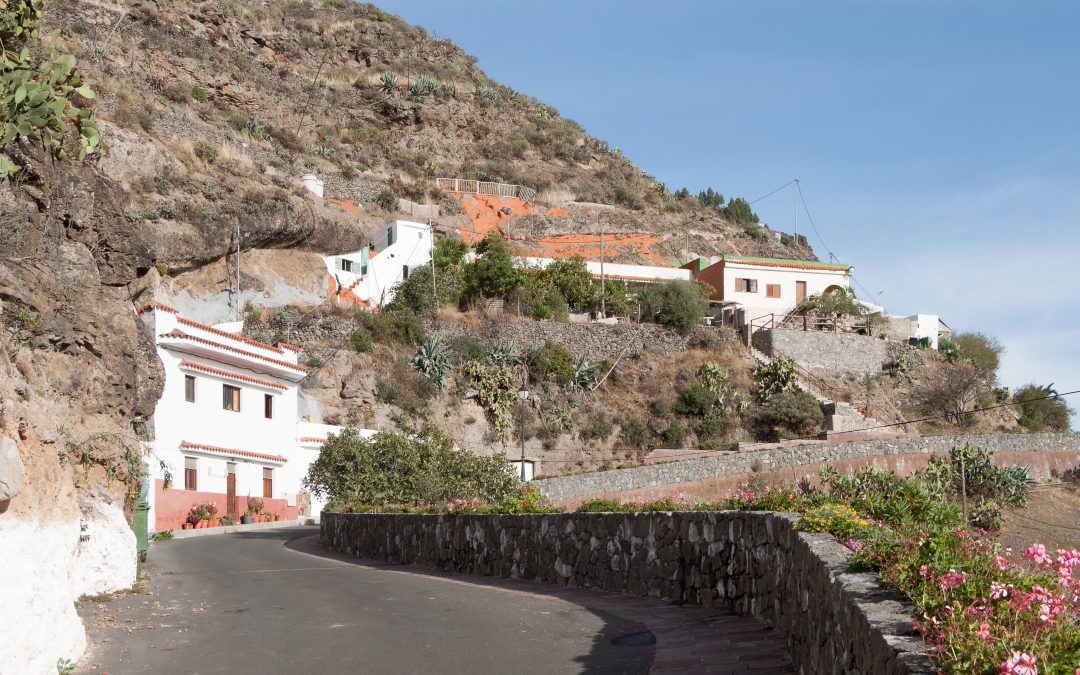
[
  {"x": 184, "y": 445},
  {"x": 288, "y": 345},
  {"x": 229, "y": 374},
  {"x": 177, "y": 333},
  {"x": 231, "y": 336},
  {"x": 780, "y": 262}
]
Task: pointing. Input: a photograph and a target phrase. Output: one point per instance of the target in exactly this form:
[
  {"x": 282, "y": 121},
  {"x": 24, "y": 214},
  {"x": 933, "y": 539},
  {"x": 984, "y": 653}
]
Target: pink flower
[
  {"x": 922, "y": 571},
  {"x": 984, "y": 631},
  {"x": 1001, "y": 563},
  {"x": 1019, "y": 664},
  {"x": 951, "y": 579},
  {"x": 1037, "y": 552},
  {"x": 999, "y": 590}
]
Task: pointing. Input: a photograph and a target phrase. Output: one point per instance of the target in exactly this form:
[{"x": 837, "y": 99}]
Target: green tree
[
  {"x": 709, "y": 197},
  {"x": 571, "y": 278},
  {"x": 738, "y": 210},
  {"x": 679, "y": 305},
  {"x": 1040, "y": 410},
  {"x": 399, "y": 468},
  {"x": 981, "y": 351},
  {"x": 415, "y": 293},
  {"x": 616, "y": 297},
  {"x": 493, "y": 275}
]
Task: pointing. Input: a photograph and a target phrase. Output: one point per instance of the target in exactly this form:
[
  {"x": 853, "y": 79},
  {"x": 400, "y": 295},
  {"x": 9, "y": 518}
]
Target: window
[
  {"x": 746, "y": 285},
  {"x": 191, "y": 473},
  {"x": 389, "y": 236},
  {"x": 404, "y": 272},
  {"x": 268, "y": 406},
  {"x": 189, "y": 388},
  {"x": 230, "y": 398},
  {"x": 268, "y": 483},
  {"x": 772, "y": 290},
  {"x": 345, "y": 265}
]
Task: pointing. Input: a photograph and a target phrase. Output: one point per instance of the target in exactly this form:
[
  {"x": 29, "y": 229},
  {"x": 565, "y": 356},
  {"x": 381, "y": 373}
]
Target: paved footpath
[{"x": 272, "y": 601}]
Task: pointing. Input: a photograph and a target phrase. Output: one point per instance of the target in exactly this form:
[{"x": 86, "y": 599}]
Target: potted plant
[
  {"x": 197, "y": 516},
  {"x": 211, "y": 515},
  {"x": 227, "y": 520},
  {"x": 248, "y": 517}
]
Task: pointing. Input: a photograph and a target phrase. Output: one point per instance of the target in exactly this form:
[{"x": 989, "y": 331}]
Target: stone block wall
[
  {"x": 1040, "y": 452},
  {"x": 749, "y": 563},
  {"x": 819, "y": 350}
]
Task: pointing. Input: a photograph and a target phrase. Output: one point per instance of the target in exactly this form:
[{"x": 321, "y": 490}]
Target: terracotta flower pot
[{"x": 185, "y": 526}]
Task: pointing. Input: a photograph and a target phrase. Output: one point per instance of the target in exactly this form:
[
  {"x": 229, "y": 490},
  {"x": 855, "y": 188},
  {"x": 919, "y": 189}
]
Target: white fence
[{"x": 479, "y": 187}]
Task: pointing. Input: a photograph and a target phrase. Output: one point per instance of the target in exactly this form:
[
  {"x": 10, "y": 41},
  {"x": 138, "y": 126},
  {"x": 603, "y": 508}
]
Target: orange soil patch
[
  {"x": 343, "y": 295},
  {"x": 350, "y": 206},
  {"x": 485, "y": 212},
  {"x": 588, "y": 246}
]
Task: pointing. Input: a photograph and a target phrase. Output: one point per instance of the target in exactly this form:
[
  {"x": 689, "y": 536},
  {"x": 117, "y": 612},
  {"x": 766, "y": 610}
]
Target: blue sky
[{"x": 937, "y": 141}]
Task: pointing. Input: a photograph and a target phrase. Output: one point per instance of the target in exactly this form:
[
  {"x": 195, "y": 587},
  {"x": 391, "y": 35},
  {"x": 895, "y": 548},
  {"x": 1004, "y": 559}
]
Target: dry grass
[{"x": 235, "y": 160}]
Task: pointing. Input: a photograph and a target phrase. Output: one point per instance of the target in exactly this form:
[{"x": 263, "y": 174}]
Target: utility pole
[
  {"x": 796, "y": 211},
  {"x": 434, "y": 293},
  {"x": 603, "y": 294},
  {"x": 237, "y": 272},
  {"x": 963, "y": 485}
]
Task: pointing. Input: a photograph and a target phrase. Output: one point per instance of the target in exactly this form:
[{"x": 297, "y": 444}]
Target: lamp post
[{"x": 523, "y": 395}]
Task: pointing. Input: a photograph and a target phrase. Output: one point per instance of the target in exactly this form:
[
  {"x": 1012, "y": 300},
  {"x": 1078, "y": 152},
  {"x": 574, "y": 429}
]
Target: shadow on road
[{"x": 604, "y": 657}]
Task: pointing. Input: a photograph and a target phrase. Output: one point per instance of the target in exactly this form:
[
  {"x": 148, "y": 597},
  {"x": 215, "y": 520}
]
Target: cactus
[
  {"x": 423, "y": 86},
  {"x": 504, "y": 354},
  {"x": 487, "y": 94},
  {"x": 388, "y": 82},
  {"x": 433, "y": 360},
  {"x": 586, "y": 374}
]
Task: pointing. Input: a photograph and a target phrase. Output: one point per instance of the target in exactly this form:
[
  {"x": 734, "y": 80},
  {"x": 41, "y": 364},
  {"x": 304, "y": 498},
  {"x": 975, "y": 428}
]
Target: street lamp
[{"x": 523, "y": 395}]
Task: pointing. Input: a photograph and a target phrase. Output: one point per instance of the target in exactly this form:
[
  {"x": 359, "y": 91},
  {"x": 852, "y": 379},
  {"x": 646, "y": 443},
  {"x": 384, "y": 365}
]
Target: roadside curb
[{"x": 230, "y": 529}]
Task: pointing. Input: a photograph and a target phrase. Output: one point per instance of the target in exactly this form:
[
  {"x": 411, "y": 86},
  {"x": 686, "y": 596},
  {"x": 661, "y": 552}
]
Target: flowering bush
[
  {"x": 751, "y": 497},
  {"x": 531, "y": 501},
  {"x": 837, "y": 519},
  {"x": 200, "y": 512}
]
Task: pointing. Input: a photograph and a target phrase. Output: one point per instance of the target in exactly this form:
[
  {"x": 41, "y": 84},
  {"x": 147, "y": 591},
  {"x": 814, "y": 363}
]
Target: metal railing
[{"x": 480, "y": 187}]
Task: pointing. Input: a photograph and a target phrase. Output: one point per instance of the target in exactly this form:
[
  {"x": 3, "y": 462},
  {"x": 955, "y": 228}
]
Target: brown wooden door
[
  {"x": 230, "y": 495},
  {"x": 800, "y": 292}
]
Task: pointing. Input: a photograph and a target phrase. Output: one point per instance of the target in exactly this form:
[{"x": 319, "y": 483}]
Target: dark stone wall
[{"x": 748, "y": 563}]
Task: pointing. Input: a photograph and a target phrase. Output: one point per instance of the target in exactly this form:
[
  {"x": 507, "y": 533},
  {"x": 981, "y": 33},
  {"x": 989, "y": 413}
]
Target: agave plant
[
  {"x": 388, "y": 82},
  {"x": 256, "y": 129},
  {"x": 487, "y": 94},
  {"x": 423, "y": 86},
  {"x": 504, "y": 354},
  {"x": 433, "y": 359},
  {"x": 586, "y": 374}
]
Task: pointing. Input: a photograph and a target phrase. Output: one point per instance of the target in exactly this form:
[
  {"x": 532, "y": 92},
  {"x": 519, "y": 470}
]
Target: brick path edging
[{"x": 753, "y": 564}]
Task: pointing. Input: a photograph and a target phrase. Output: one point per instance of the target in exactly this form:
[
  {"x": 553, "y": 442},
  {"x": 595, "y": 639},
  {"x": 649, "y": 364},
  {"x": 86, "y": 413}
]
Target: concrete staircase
[{"x": 841, "y": 419}]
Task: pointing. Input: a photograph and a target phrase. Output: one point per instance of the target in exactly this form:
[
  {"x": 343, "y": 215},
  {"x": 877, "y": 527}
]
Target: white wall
[
  {"x": 412, "y": 246},
  {"x": 926, "y": 326},
  {"x": 757, "y": 304},
  {"x": 617, "y": 270}
]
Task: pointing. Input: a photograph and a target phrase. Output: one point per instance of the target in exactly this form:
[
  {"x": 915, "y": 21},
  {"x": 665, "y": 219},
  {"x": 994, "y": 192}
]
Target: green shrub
[
  {"x": 205, "y": 151},
  {"x": 198, "y": 93},
  {"x": 407, "y": 390},
  {"x": 595, "y": 430},
  {"x": 397, "y": 326},
  {"x": 496, "y": 392},
  {"x": 599, "y": 506},
  {"x": 400, "y": 468},
  {"x": 661, "y": 407},
  {"x": 981, "y": 351},
  {"x": 778, "y": 377},
  {"x": 678, "y": 305},
  {"x": 674, "y": 435},
  {"x": 560, "y": 363},
  {"x": 788, "y": 414},
  {"x": 537, "y": 363},
  {"x": 1039, "y": 411},
  {"x": 467, "y": 348},
  {"x": 494, "y": 274},
  {"x": 361, "y": 341},
  {"x": 694, "y": 400},
  {"x": 387, "y": 201},
  {"x": 572, "y": 279},
  {"x": 634, "y": 433}
]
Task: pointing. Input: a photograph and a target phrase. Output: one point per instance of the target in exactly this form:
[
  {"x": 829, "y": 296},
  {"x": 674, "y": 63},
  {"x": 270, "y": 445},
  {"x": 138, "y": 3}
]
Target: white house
[
  {"x": 225, "y": 428},
  {"x": 367, "y": 277},
  {"x": 757, "y": 287},
  {"x": 636, "y": 274}
]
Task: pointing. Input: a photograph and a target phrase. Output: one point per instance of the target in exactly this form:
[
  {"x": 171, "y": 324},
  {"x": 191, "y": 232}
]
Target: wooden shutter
[
  {"x": 772, "y": 290},
  {"x": 753, "y": 285},
  {"x": 191, "y": 473},
  {"x": 189, "y": 388},
  {"x": 268, "y": 483},
  {"x": 738, "y": 285},
  {"x": 268, "y": 406}
]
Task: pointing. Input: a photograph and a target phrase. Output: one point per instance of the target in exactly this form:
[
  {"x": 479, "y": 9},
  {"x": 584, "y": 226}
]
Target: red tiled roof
[
  {"x": 184, "y": 445},
  {"x": 157, "y": 305},
  {"x": 287, "y": 345},
  {"x": 232, "y": 375},
  {"x": 790, "y": 264},
  {"x": 177, "y": 333},
  {"x": 231, "y": 336}
]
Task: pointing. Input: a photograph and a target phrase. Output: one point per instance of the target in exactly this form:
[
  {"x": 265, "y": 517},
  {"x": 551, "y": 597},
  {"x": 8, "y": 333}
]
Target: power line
[
  {"x": 698, "y": 453},
  {"x": 793, "y": 180},
  {"x": 1042, "y": 522}
]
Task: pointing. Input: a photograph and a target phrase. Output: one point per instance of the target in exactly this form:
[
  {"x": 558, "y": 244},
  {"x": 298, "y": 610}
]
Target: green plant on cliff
[
  {"x": 433, "y": 359},
  {"x": 398, "y": 468},
  {"x": 42, "y": 100},
  {"x": 496, "y": 392},
  {"x": 777, "y": 377}
]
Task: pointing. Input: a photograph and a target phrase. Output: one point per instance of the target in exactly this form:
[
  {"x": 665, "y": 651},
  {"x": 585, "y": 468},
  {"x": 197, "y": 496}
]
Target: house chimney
[{"x": 313, "y": 184}]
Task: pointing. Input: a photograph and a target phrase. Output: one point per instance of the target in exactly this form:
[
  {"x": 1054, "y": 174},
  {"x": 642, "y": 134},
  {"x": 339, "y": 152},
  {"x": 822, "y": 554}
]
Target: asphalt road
[{"x": 253, "y": 603}]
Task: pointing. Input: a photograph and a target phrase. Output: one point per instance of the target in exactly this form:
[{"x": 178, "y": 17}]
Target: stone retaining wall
[
  {"x": 1042, "y": 452},
  {"x": 593, "y": 340},
  {"x": 749, "y": 563},
  {"x": 818, "y": 350}
]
